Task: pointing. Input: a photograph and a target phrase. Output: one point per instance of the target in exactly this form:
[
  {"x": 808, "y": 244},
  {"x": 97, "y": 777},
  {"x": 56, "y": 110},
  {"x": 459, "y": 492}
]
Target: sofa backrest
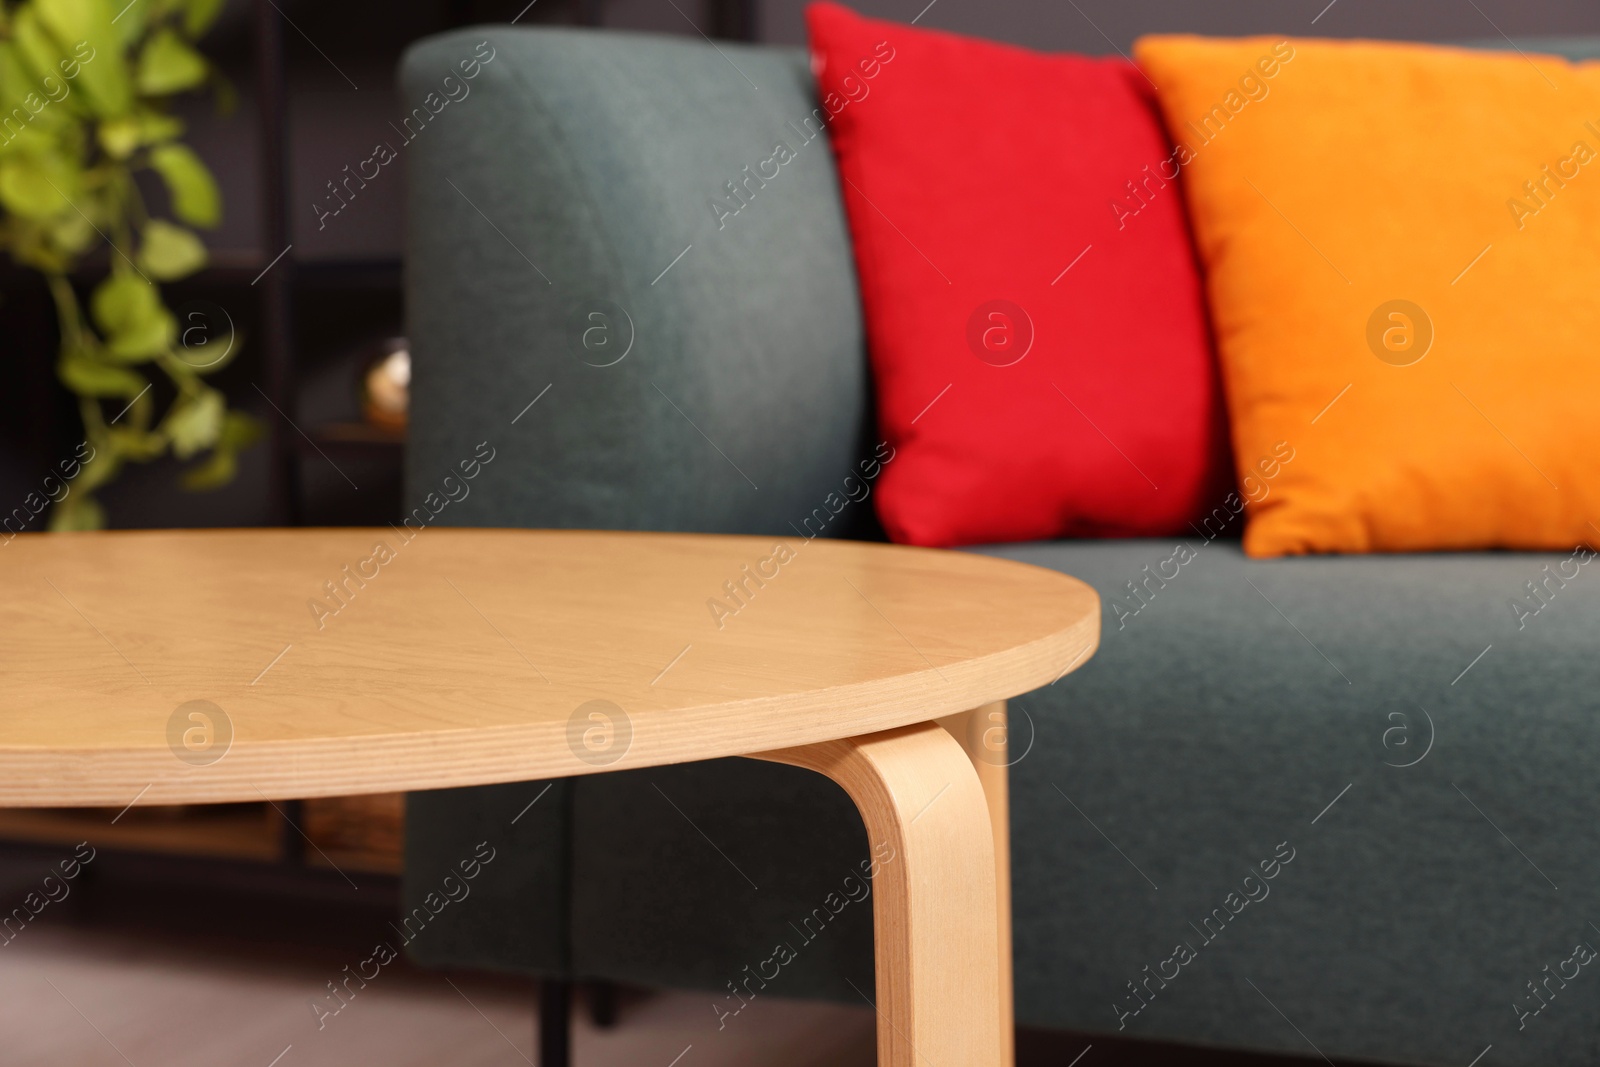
[
  {"x": 628, "y": 272},
  {"x": 1574, "y": 48}
]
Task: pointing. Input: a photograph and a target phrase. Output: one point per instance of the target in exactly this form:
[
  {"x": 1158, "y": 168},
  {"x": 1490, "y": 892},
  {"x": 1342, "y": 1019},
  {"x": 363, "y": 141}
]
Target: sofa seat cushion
[
  {"x": 1409, "y": 623},
  {"x": 1230, "y": 704}
]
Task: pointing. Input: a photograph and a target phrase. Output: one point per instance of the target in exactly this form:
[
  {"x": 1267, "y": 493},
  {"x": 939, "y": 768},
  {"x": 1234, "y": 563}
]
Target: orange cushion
[{"x": 1402, "y": 251}]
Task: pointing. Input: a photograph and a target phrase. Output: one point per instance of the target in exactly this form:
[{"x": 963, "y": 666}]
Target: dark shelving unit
[
  {"x": 284, "y": 285},
  {"x": 277, "y": 279}
]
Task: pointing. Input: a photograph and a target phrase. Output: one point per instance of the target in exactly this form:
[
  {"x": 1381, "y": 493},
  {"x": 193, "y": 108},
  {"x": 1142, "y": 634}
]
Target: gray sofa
[{"x": 1397, "y": 745}]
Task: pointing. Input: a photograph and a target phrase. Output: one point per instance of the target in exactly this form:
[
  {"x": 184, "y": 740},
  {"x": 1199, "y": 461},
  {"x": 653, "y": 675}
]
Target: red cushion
[{"x": 1040, "y": 353}]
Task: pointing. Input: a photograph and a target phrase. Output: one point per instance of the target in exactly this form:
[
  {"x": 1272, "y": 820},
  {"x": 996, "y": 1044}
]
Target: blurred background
[
  {"x": 315, "y": 92},
  {"x": 317, "y": 304}
]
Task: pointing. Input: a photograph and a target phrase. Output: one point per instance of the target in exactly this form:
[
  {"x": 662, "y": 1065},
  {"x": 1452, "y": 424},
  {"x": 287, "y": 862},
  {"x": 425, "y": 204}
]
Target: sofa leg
[
  {"x": 934, "y": 911},
  {"x": 984, "y": 734},
  {"x": 555, "y": 1023}
]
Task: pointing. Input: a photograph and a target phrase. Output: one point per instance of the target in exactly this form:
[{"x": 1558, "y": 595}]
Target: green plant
[{"x": 85, "y": 91}]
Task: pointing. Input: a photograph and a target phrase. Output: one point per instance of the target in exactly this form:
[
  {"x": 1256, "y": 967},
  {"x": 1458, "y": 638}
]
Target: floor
[
  {"x": 74, "y": 997},
  {"x": 159, "y": 963}
]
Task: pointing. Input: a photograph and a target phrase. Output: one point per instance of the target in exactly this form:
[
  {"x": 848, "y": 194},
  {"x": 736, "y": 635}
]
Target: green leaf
[
  {"x": 15, "y": 79},
  {"x": 136, "y": 445},
  {"x": 214, "y": 473},
  {"x": 195, "y": 198},
  {"x": 119, "y": 137},
  {"x": 76, "y": 513},
  {"x": 28, "y": 242},
  {"x": 240, "y": 430},
  {"x": 35, "y": 45},
  {"x": 122, "y": 302},
  {"x": 23, "y": 102},
  {"x": 37, "y": 187},
  {"x": 225, "y": 95},
  {"x": 129, "y": 312},
  {"x": 71, "y": 234},
  {"x": 101, "y": 467},
  {"x": 167, "y": 252},
  {"x": 30, "y": 140},
  {"x": 167, "y": 64},
  {"x": 145, "y": 341},
  {"x": 131, "y": 20},
  {"x": 43, "y": 59},
  {"x": 194, "y": 423},
  {"x": 31, "y": 117},
  {"x": 155, "y": 127},
  {"x": 83, "y": 30},
  {"x": 198, "y": 15},
  {"x": 132, "y": 423},
  {"x": 204, "y": 344},
  {"x": 88, "y": 376}
]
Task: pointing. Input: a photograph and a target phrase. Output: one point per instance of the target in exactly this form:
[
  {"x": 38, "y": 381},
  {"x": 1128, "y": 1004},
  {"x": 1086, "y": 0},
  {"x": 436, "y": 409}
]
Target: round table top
[{"x": 227, "y": 665}]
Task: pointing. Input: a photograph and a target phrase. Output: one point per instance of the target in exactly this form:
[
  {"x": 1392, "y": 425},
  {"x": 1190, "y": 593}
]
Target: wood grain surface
[
  {"x": 327, "y": 662},
  {"x": 935, "y": 925}
]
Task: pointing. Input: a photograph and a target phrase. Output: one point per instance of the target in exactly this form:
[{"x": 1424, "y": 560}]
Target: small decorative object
[
  {"x": 386, "y": 386},
  {"x": 86, "y": 86}
]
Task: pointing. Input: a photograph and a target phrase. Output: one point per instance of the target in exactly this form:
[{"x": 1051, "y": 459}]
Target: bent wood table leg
[
  {"x": 935, "y": 925},
  {"x": 983, "y": 733}
]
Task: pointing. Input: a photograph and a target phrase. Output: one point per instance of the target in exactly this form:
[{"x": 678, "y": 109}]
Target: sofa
[{"x": 1391, "y": 737}]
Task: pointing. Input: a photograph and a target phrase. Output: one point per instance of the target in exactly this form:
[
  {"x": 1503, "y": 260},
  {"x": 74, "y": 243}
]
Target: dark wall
[{"x": 1103, "y": 26}]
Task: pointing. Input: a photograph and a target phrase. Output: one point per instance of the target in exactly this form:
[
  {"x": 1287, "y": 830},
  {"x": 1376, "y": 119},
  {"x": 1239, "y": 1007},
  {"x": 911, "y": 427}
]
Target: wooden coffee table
[{"x": 196, "y": 667}]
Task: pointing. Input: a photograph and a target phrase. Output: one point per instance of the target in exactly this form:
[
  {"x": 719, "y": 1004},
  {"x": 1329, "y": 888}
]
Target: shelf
[
  {"x": 231, "y": 831},
  {"x": 364, "y": 833},
  {"x": 358, "y": 433},
  {"x": 353, "y": 439},
  {"x": 349, "y": 273}
]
